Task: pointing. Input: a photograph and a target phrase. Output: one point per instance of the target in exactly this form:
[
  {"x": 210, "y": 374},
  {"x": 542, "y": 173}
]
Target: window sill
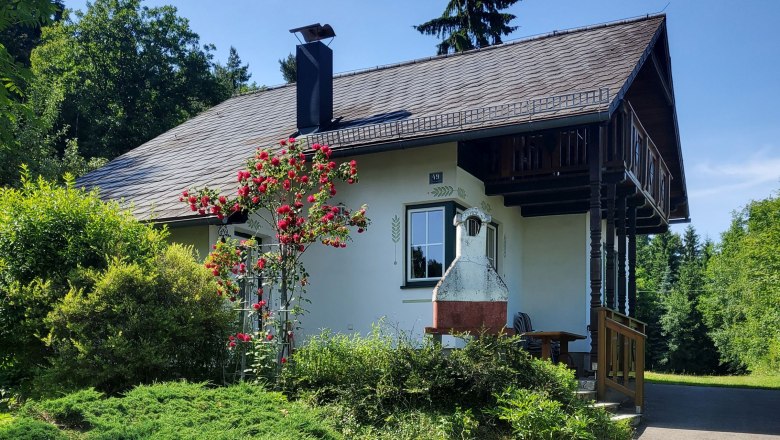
[{"x": 419, "y": 284}]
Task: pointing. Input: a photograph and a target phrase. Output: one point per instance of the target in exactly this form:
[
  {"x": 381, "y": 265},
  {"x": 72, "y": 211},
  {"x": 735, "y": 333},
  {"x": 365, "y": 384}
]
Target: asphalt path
[{"x": 687, "y": 412}]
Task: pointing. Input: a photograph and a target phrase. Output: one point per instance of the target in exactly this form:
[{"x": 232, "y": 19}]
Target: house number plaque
[{"x": 436, "y": 178}]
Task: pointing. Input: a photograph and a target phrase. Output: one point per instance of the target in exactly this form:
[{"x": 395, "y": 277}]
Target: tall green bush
[
  {"x": 140, "y": 324},
  {"x": 376, "y": 375},
  {"x": 742, "y": 301},
  {"x": 49, "y": 235}
]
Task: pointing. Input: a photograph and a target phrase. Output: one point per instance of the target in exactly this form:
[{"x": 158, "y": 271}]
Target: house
[{"x": 568, "y": 140}]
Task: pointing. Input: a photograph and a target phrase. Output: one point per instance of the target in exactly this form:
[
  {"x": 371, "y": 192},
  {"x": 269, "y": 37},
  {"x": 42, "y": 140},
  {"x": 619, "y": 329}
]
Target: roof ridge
[
  {"x": 512, "y": 42},
  {"x": 525, "y": 39}
]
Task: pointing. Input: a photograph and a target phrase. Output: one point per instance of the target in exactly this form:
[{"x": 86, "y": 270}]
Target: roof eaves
[{"x": 642, "y": 59}]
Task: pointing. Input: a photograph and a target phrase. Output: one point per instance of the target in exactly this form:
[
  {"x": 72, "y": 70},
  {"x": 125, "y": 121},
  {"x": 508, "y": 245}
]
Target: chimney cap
[{"x": 315, "y": 32}]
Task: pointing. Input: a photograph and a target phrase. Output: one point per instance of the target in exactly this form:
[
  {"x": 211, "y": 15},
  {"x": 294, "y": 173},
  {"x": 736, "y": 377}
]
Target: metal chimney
[{"x": 314, "y": 86}]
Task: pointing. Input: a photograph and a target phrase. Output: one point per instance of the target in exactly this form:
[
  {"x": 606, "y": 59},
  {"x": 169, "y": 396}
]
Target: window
[
  {"x": 426, "y": 243},
  {"x": 492, "y": 245},
  {"x": 430, "y": 243}
]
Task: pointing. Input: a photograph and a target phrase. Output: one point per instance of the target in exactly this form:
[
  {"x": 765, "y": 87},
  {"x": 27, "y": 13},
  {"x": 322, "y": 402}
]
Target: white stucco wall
[
  {"x": 354, "y": 287},
  {"x": 555, "y": 274},
  {"x": 543, "y": 260},
  {"x": 195, "y": 236}
]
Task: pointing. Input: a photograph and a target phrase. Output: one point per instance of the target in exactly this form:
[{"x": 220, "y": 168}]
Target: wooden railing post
[
  {"x": 601, "y": 371},
  {"x": 639, "y": 396},
  {"x": 507, "y": 157},
  {"x": 631, "y": 261}
]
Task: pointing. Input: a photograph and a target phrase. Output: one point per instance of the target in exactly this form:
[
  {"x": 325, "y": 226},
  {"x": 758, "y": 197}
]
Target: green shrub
[
  {"x": 140, "y": 324},
  {"x": 414, "y": 424},
  {"x": 48, "y": 234},
  {"x": 378, "y": 375},
  {"x": 179, "y": 410},
  {"x": 535, "y": 415},
  {"x": 29, "y": 429}
]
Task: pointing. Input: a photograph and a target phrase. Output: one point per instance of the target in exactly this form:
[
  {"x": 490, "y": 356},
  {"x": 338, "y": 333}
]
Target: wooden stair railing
[{"x": 621, "y": 356}]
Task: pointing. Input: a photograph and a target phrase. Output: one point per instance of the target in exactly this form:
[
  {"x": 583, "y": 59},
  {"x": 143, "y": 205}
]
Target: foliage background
[{"x": 91, "y": 297}]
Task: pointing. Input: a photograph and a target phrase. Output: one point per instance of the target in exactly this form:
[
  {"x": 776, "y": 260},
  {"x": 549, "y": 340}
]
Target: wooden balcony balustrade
[
  {"x": 539, "y": 155},
  {"x": 632, "y": 149},
  {"x": 560, "y": 153},
  {"x": 621, "y": 356}
]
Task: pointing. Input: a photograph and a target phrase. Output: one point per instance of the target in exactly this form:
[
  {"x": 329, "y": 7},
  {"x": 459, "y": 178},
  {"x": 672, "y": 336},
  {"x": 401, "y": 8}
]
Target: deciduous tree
[
  {"x": 742, "y": 302},
  {"x": 127, "y": 74}
]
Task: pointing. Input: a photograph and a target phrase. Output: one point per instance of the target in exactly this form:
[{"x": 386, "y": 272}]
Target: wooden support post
[
  {"x": 597, "y": 136},
  {"x": 621, "y": 254},
  {"x": 631, "y": 261},
  {"x": 609, "y": 285}
]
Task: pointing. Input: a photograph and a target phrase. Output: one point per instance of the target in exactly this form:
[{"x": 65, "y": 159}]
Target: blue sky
[{"x": 725, "y": 63}]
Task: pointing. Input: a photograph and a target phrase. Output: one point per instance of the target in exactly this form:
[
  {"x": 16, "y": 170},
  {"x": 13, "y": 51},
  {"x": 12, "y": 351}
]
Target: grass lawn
[{"x": 751, "y": 381}]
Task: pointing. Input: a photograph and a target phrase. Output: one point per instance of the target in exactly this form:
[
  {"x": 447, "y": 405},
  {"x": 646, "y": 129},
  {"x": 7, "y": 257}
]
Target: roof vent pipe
[{"x": 314, "y": 85}]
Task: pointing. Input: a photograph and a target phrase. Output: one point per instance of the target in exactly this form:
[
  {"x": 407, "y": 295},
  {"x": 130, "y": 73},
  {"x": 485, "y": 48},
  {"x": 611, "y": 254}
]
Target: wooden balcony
[
  {"x": 540, "y": 170},
  {"x": 630, "y": 148}
]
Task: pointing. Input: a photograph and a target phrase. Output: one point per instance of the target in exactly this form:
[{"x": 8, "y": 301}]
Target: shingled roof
[{"x": 560, "y": 75}]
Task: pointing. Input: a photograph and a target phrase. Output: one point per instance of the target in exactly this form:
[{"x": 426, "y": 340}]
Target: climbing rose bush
[{"x": 291, "y": 192}]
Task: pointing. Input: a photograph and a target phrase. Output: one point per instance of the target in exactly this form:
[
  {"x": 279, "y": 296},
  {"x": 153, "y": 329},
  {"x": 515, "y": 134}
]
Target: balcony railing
[
  {"x": 621, "y": 356},
  {"x": 640, "y": 157},
  {"x": 564, "y": 152},
  {"x": 538, "y": 155}
]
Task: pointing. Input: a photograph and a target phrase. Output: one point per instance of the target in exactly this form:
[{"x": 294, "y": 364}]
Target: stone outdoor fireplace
[{"x": 471, "y": 296}]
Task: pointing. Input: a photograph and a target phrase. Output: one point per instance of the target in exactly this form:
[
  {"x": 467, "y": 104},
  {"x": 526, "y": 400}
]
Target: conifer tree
[{"x": 470, "y": 24}]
